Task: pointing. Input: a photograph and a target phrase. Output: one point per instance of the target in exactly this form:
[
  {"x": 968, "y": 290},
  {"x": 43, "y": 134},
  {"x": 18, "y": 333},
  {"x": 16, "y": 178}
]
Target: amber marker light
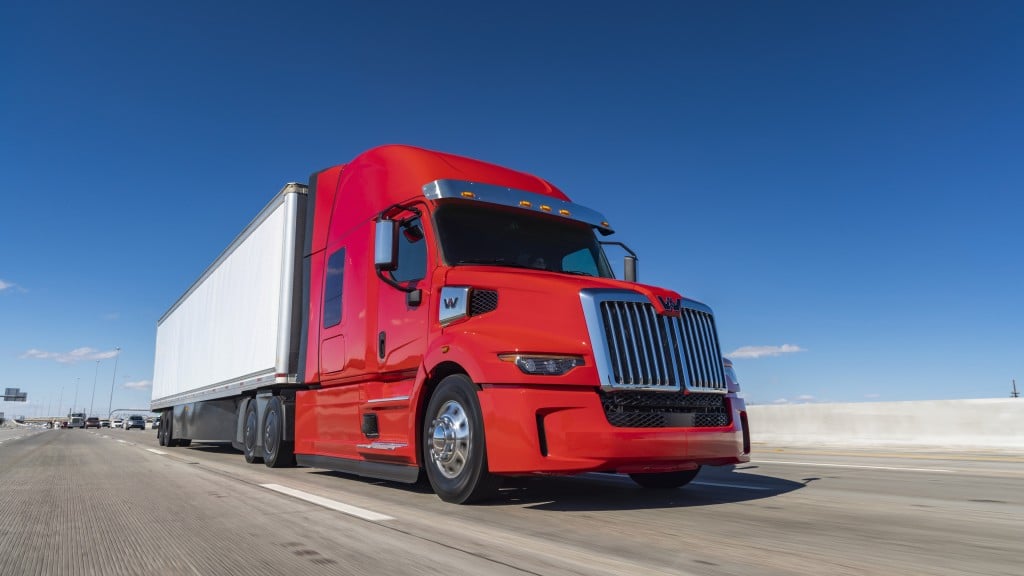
[
  {"x": 545, "y": 207},
  {"x": 525, "y": 203},
  {"x": 468, "y": 194},
  {"x": 563, "y": 212}
]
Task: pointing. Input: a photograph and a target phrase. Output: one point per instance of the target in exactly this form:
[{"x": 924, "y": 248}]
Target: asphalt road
[{"x": 113, "y": 502}]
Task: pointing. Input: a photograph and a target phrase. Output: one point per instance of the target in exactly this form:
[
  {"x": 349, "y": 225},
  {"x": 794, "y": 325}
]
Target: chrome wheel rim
[{"x": 451, "y": 439}]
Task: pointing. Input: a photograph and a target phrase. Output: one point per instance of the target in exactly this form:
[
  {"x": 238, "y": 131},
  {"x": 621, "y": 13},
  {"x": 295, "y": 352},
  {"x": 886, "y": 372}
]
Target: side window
[
  {"x": 332, "y": 288},
  {"x": 412, "y": 253}
]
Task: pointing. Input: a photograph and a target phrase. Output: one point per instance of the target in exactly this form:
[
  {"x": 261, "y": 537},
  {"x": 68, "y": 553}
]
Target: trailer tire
[
  {"x": 454, "y": 445},
  {"x": 250, "y": 430},
  {"x": 161, "y": 434},
  {"x": 665, "y": 480},
  {"x": 277, "y": 453},
  {"x": 167, "y": 430}
]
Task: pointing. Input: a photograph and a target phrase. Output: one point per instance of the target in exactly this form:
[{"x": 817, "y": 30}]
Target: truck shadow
[{"x": 597, "y": 492}]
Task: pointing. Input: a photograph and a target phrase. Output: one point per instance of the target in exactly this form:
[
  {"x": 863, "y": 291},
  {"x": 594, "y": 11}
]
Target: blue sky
[{"x": 840, "y": 182}]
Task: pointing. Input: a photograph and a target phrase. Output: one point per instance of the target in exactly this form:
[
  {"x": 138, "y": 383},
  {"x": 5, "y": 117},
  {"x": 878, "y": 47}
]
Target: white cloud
[
  {"x": 781, "y": 401},
  {"x": 4, "y": 285},
  {"x": 805, "y": 398},
  {"x": 76, "y": 355},
  {"x": 763, "y": 351},
  {"x": 138, "y": 385}
]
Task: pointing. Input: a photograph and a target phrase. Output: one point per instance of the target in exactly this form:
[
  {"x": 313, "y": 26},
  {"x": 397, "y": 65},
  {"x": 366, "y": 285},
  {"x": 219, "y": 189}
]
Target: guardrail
[{"x": 996, "y": 423}]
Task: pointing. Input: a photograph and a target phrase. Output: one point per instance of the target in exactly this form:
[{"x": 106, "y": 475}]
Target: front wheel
[
  {"x": 454, "y": 446},
  {"x": 665, "y": 480}
]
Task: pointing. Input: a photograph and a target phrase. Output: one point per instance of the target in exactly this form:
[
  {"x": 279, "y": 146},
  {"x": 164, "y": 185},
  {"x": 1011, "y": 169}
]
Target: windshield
[{"x": 492, "y": 235}]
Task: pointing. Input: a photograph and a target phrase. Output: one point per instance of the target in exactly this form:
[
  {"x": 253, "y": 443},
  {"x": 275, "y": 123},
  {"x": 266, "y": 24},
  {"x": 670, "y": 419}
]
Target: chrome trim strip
[
  {"x": 382, "y": 446},
  {"x": 392, "y": 399},
  {"x": 441, "y": 189}
]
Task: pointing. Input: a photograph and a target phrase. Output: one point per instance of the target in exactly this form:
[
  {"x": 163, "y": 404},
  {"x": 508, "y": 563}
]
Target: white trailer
[{"x": 236, "y": 329}]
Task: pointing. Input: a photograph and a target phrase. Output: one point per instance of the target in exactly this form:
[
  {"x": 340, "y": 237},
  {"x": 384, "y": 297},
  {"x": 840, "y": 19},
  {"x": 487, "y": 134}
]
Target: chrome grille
[{"x": 640, "y": 349}]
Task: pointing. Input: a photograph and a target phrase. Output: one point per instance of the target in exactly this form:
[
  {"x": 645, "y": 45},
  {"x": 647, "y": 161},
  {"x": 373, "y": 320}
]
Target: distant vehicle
[
  {"x": 77, "y": 420},
  {"x": 104, "y": 423},
  {"x": 64, "y": 424},
  {"x": 135, "y": 422},
  {"x": 115, "y": 423},
  {"x": 92, "y": 422}
]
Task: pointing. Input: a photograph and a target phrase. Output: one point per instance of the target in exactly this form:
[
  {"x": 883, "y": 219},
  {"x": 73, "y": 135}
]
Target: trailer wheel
[
  {"x": 665, "y": 480},
  {"x": 167, "y": 430},
  {"x": 249, "y": 433},
  {"x": 276, "y": 452},
  {"x": 454, "y": 449},
  {"x": 161, "y": 434}
]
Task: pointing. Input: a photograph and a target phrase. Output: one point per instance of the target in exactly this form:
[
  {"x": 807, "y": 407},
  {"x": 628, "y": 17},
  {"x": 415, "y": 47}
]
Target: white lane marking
[
  {"x": 155, "y": 451},
  {"x": 853, "y": 466},
  {"x": 328, "y": 503},
  {"x": 724, "y": 485},
  {"x": 121, "y": 441}
]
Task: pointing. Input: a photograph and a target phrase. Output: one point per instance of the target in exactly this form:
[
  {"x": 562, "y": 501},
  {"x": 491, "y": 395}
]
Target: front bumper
[{"x": 534, "y": 429}]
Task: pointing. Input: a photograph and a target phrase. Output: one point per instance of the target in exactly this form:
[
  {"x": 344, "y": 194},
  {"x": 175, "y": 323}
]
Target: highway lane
[{"x": 82, "y": 502}]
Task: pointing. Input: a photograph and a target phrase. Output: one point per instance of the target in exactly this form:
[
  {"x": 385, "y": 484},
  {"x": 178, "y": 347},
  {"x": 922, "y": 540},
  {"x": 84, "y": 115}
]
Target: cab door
[{"x": 402, "y": 313}]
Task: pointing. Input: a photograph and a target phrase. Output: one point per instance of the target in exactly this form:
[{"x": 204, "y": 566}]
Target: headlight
[{"x": 543, "y": 364}]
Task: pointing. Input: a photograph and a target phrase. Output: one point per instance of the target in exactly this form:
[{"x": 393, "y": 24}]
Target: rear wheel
[
  {"x": 665, "y": 480},
  {"x": 161, "y": 434},
  {"x": 249, "y": 433},
  {"x": 454, "y": 447},
  {"x": 167, "y": 430},
  {"x": 276, "y": 452}
]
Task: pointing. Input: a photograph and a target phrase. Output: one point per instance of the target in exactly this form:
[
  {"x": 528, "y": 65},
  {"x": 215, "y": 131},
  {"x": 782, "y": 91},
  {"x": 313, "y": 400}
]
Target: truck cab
[{"x": 449, "y": 296}]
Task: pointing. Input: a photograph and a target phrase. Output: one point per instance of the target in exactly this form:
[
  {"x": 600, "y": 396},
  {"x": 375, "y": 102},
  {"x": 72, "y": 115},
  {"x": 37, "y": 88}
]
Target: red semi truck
[{"x": 418, "y": 311}]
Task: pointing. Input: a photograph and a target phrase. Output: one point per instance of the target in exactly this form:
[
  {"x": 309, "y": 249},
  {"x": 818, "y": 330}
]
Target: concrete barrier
[{"x": 996, "y": 423}]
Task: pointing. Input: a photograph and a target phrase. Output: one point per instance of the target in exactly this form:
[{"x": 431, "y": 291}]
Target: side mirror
[
  {"x": 385, "y": 245},
  {"x": 629, "y": 268}
]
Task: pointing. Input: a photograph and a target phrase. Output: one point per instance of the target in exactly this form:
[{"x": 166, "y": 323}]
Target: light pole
[
  {"x": 76, "y": 396},
  {"x": 60, "y": 400},
  {"x": 110, "y": 403},
  {"x": 94, "y": 376}
]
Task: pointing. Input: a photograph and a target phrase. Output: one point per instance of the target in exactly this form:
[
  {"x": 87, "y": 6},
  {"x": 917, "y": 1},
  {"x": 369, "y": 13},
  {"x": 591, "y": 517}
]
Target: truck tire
[
  {"x": 167, "y": 430},
  {"x": 250, "y": 431},
  {"x": 454, "y": 447},
  {"x": 161, "y": 434},
  {"x": 665, "y": 480},
  {"x": 276, "y": 452}
]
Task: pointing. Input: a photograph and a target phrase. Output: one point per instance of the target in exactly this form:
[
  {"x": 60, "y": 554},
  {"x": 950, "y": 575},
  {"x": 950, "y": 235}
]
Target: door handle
[{"x": 381, "y": 344}]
